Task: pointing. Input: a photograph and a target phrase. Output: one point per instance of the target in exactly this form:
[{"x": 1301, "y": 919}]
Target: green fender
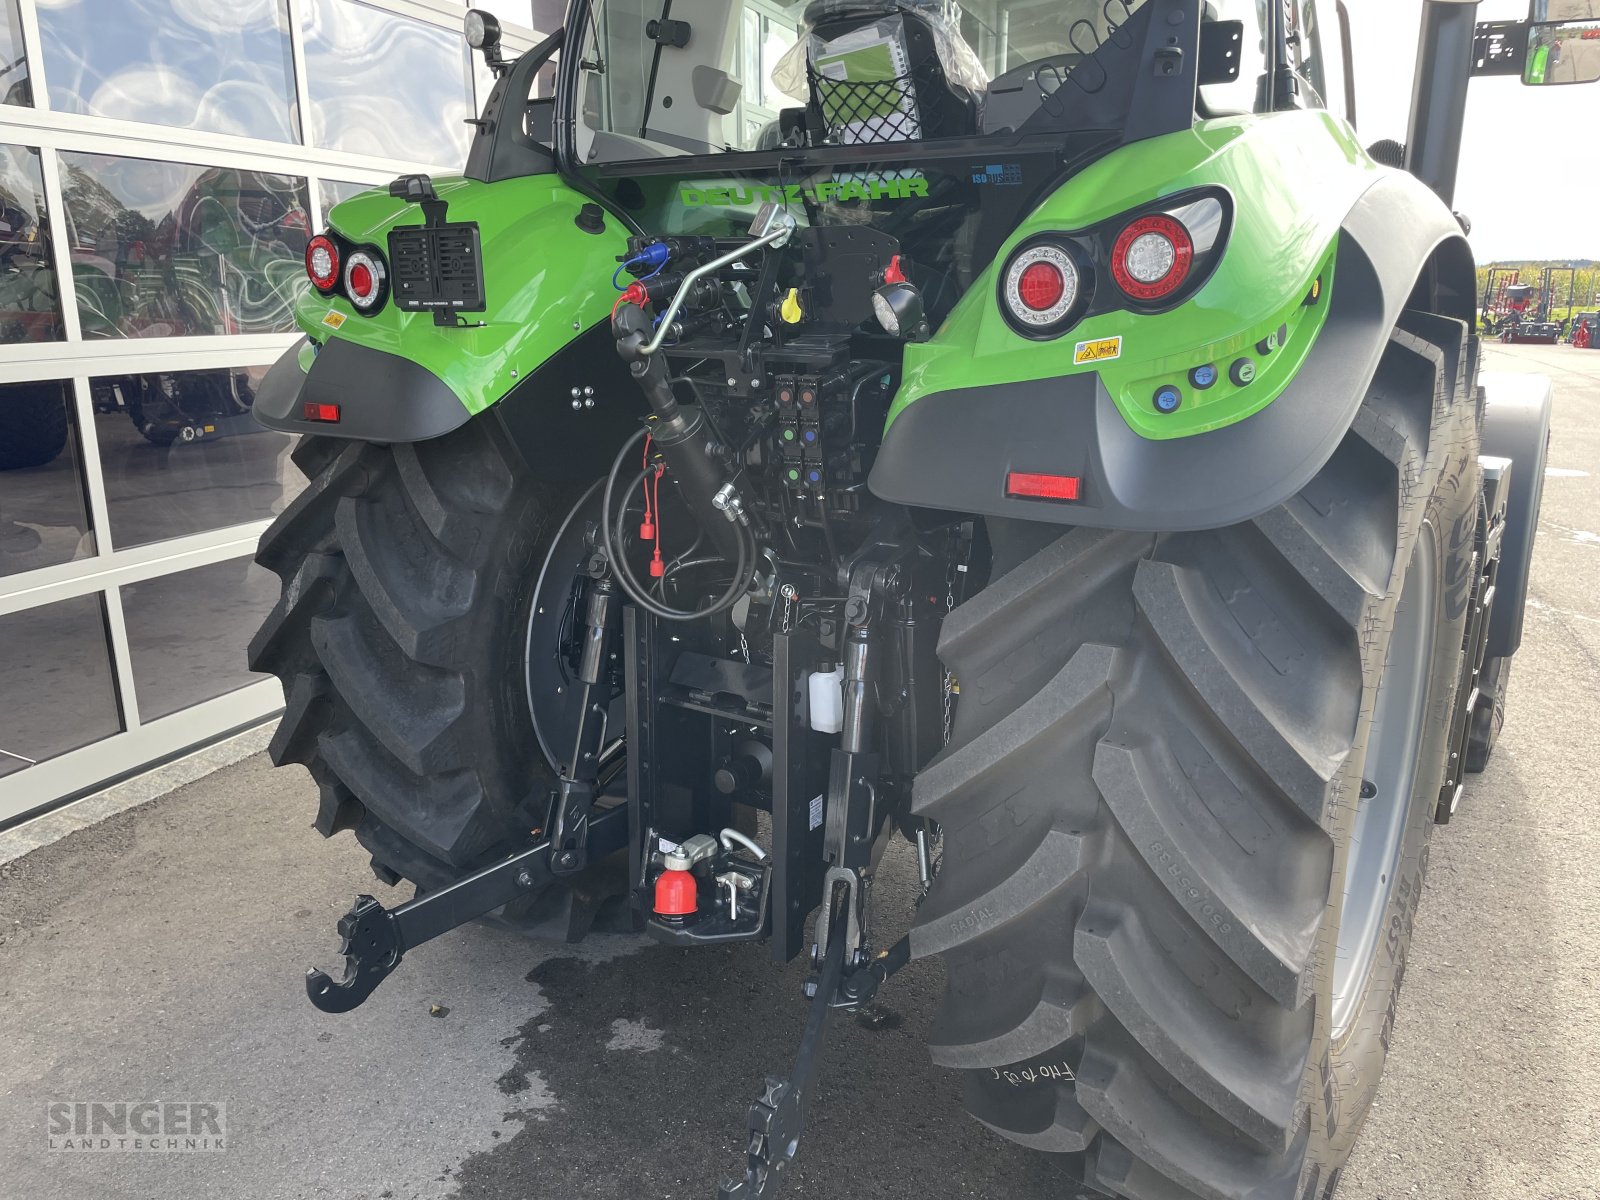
[
  {"x": 980, "y": 401},
  {"x": 399, "y": 377}
]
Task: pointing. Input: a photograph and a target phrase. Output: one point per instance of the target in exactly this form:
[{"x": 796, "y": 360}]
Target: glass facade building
[{"x": 162, "y": 165}]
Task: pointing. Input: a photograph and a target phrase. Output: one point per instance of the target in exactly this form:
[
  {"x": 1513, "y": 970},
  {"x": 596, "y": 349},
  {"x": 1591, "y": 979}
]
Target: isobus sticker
[{"x": 1099, "y": 350}]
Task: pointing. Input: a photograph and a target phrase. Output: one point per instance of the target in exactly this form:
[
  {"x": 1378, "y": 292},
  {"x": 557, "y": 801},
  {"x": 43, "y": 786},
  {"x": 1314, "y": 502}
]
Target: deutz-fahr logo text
[{"x": 857, "y": 188}]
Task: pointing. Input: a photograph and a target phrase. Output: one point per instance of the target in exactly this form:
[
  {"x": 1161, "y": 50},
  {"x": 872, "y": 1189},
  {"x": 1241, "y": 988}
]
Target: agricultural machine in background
[
  {"x": 1525, "y": 313},
  {"x": 1049, "y": 437}
]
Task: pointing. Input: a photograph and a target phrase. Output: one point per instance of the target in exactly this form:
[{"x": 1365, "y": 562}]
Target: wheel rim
[
  {"x": 555, "y": 718},
  {"x": 1393, "y": 752}
]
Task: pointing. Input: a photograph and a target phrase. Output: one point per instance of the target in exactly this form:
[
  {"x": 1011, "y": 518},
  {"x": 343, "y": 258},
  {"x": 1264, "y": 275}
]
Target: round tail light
[
  {"x": 1041, "y": 289},
  {"x": 322, "y": 262},
  {"x": 1152, "y": 256},
  {"x": 365, "y": 280}
]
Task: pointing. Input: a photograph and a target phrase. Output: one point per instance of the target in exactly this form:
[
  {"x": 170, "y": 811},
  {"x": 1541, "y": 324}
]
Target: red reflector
[
  {"x": 1042, "y": 285},
  {"x": 361, "y": 280},
  {"x": 1043, "y": 487},
  {"x": 322, "y": 412}
]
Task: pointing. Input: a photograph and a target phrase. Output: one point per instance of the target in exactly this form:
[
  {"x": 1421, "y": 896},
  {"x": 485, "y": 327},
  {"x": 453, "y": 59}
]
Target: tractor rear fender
[
  {"x": 1516, "y": 425},
  {"x": 1397, "y": 247},
  {"x": 398, "y": 376}
]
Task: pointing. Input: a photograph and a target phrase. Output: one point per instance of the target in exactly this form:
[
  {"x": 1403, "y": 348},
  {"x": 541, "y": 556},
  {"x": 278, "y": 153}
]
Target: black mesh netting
[{"x": 877, "y": 111}]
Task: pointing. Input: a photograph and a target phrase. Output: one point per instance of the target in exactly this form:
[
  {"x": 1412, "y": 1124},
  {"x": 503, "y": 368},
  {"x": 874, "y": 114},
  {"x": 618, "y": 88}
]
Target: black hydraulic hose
[
  {"x": 630, "y": 582},
  {"x": 611, "y": 536}
]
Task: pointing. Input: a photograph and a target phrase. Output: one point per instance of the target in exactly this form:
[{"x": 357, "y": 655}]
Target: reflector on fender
[
  {"x": 1027, "y": 486},
  {"x": 328, "y": 413}
]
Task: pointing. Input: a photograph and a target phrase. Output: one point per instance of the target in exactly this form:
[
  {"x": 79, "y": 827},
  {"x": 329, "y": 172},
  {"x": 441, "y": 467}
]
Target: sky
[{"x": 1530, "y": 162}]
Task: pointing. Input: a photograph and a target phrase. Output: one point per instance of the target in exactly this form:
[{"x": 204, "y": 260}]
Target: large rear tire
[
  {"x": 33, "y": 425},
  {"x": 408, "y": 575},
  {"x": 1165, "y": 768}
]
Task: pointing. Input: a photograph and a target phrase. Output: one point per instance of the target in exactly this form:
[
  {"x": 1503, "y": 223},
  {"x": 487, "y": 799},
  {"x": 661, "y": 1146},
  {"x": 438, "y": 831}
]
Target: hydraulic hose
[
  {"x": 612, "y": 536},
  {"x": 681, "y": 432}
]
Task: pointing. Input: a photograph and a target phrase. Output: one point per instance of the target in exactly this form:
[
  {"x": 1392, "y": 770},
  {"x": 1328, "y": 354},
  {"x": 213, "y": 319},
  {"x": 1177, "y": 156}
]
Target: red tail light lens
[
  {"x": 365, "y": 280},
  {"x": 1042, "y": 289},
  {"x": 1041, "y": 286},
  {"x": 322, "y": 263},
  {"x": 1152, "y": 256}
]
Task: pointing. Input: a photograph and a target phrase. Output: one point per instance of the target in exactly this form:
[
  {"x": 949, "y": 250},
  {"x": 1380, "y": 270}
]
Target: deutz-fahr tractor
[{"x": 1038, "y": 431}]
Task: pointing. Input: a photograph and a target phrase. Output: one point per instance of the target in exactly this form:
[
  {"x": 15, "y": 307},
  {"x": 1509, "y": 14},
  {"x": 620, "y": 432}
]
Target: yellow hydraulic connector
[{"x": 790, "y": 309}]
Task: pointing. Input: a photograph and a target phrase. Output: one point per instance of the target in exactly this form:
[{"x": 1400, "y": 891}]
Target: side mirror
[{"x": 1562, "y": 52}]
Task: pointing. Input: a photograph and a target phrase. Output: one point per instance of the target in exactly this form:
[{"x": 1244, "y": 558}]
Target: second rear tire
[{"x": 1182, "y": 859}]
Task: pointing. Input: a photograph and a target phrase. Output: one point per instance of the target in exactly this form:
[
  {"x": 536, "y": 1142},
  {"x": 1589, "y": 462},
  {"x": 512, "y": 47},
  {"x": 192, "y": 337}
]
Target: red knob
[{"x": 676, "y": 895}]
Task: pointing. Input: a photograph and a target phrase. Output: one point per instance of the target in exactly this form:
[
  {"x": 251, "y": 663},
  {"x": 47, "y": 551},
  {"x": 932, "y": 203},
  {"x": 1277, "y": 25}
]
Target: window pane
[
  {"x": 181, "y": 454},
  {"x": 167, "y": 249},
  {"x": 187, "y": 633},
  {"x": 30, "y": 310},
  {"x": 218, "y": 65},
  {"x": 386, "y": 85},
  {"x": 337, "y": 191},
  {"x": 14, "y": 87},
  {"x": 56, "y": 691},
  {"x": 44, "y": 519}
]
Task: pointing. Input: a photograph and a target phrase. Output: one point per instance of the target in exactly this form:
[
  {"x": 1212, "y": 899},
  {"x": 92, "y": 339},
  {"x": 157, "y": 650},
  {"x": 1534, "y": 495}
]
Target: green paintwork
[
  {"x": 544, "y": 281},
  {"x": 1293, "y": 177}
]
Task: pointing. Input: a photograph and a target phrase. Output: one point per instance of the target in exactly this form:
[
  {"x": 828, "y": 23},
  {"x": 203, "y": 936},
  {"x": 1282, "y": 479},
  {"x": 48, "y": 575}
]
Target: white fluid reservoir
[{"x": 827, "y": 700}]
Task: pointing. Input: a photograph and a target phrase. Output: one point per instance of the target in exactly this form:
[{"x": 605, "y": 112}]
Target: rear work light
[
  {"x": 1152, "y": 256},
  {"x": 322, "y": 263},
  {"x": 1042, "y": 289},
  {"x": 366, "y": 281}
]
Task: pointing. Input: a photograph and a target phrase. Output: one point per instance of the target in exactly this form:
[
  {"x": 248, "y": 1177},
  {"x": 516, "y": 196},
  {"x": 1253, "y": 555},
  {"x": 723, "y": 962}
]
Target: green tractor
[{"x": 1042, "y": 432}]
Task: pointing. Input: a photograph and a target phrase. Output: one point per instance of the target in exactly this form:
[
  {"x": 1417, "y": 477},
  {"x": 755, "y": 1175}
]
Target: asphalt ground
[{"x": 157, "y": 955}]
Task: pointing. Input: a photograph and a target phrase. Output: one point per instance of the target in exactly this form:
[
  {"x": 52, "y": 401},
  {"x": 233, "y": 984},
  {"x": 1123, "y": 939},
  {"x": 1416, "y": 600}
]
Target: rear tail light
[
  {"x": 1156, "y": 258},
  {"x": 322, "y": 263},
  {"x": 1043, "y": 289},
  {"x": 1151, "y": 257},
  {"x": 365, "y": 280}
]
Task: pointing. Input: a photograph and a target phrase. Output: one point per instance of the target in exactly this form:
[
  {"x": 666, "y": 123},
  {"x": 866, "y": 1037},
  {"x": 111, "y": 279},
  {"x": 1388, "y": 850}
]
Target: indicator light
[
  {"x": 1167, "y": 398},
  {"x": 1032, "y": 486},
  {"x": 1151, "y": 258},
  {"x": 322, "y": 262},
  {"x": 1203, "y": 376}
]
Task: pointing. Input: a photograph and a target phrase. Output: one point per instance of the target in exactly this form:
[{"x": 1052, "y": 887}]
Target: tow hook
[{"x": 377, "y": 938}]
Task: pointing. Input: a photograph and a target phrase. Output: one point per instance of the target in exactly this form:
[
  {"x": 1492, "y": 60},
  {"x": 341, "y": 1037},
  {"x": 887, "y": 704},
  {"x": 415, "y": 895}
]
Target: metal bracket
[
  {"x": 777, "y": 1120},
  {"x": 376, "y": 939}
]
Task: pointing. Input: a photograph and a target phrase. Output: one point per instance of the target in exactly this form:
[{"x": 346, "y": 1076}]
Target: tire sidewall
[{"x": 1345, "y": 1080}]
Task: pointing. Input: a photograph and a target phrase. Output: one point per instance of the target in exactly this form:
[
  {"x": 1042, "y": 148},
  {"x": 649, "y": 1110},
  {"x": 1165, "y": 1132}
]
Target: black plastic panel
[{"x": 437, "y": 267}]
